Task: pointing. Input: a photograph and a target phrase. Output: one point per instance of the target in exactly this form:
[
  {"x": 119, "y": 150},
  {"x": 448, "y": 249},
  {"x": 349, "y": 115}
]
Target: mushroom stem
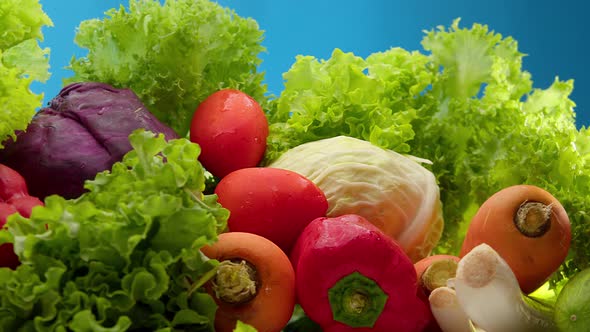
[
  {"x": 489, "y": 292},
  {"x": 447, "y": 311}
]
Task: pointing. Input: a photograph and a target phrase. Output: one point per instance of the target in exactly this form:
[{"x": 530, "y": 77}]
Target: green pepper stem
[
  {"x": 356, "y": 303},
  {"x": 356, "y": 300}
]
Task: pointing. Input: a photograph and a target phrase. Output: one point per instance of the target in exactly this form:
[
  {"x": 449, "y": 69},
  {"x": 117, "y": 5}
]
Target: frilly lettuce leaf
[
  {"x": 337, "y": 96},
  {"x": 21, "y": 20},
  {"x": 243, "y": 327},
  {"x": 123, "y": 256},
  {"x": 173, "y": 55},
  {"x": 22, "y": 61},
  {"x": 466, "y": 104}
]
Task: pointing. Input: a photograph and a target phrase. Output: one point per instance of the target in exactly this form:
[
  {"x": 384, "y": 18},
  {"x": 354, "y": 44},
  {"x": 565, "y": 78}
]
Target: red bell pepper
[
  {"x": 14, "y": 198},
  {"x": 349, "y": 276}
]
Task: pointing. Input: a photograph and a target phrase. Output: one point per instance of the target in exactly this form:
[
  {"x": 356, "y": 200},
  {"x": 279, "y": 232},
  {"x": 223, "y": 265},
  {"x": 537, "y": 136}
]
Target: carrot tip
[
  {"x": 533, "y": 219},
  {"x": 438, "y": 273}
]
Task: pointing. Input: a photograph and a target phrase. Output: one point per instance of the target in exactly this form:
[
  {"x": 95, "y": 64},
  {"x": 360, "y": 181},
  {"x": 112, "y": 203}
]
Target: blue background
[{"x": 554, "y": 35}]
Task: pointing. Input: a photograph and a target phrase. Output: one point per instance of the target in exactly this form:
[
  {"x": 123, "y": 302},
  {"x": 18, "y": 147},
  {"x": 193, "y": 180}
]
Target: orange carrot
[
  {"x": 528, "y": 227},
  {"x": 255, "y": 282},
  {"x": 433, "y": 272}
]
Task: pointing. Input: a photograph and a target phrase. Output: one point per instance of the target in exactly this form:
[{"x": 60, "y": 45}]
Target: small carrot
[
  {"x": 433, "y": 272},
  {"x": 254, "y": 283},
  {"x": 528, "y": 227}
]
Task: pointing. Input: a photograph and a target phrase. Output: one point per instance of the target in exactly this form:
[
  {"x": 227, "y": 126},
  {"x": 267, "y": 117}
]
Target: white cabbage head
[{"x": 393, "y": 191}]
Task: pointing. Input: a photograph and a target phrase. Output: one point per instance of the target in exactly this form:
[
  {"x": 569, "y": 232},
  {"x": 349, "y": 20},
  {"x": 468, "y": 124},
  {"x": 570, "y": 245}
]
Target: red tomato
[
  {"x": 231, "y": 129},
  {"x": 271, "y": 202}
]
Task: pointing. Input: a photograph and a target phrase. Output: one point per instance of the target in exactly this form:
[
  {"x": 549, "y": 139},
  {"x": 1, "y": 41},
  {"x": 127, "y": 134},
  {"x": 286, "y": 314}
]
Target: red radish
[
  {"x": 12, "y": 184},
  {"x": 5, "y": 211},
  {"x": 14, "y": 198},
  {"x": 7, "y": 256},
  {"x": 231, "y": 129},
  {"x": 349, "y": 276},
  {"x": 25, "y": 204},
  {"x": 274, "y": 203},
  {"x": 527, "y": 227}
]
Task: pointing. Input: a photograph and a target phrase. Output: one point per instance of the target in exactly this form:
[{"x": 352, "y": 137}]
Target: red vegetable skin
[
  {"x": 14, "y": 198},
  {"x": 349, "y": 276},
  {"x": 274, "y": 203},
  {"x": 25, "y": 204},
  {"x": 7, "y": 256},
  {"x": 231, "y": 129},
  {"x": 12, "y": 184}
]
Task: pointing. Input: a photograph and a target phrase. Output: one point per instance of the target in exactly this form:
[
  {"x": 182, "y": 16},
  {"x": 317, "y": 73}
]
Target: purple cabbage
[{"x": 83, "y": 131}]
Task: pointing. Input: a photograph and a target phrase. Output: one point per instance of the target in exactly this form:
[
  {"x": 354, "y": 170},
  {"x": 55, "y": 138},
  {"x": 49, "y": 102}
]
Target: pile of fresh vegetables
[{"x": 163, "y": 190}]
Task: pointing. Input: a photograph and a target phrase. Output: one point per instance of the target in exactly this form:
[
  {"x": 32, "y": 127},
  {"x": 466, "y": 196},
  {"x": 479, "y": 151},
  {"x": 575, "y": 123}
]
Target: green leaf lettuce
[
  {"x": 123, "y": 256},
  {"x": 22, "y": 61}
]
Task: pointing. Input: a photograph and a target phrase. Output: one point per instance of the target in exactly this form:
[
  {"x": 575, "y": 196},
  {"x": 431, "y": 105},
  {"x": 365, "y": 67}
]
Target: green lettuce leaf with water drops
[
  {"x": 125, "y": 255},
  {"x": 172, "y": 55},
  {"x": 22, "y": 61},
  {"x": 465, "y": 103}
]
